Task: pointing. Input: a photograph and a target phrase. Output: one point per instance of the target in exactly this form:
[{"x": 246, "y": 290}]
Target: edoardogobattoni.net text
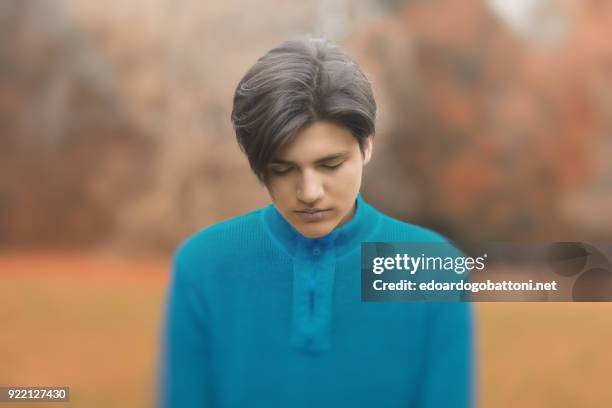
[{"x": 474, "y": 287}]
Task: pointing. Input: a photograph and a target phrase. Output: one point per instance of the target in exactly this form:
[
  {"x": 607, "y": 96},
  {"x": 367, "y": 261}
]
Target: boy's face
[{"x": 314, "y": 180}]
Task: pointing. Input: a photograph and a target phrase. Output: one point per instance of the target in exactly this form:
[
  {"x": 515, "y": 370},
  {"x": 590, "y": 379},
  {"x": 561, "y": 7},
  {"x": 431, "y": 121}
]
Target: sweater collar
[{"x": 340, "y": 241}]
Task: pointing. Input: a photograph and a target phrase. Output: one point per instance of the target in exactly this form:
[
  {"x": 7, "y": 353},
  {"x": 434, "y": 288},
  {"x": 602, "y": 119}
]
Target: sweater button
[{"x": 316, "y": 252}]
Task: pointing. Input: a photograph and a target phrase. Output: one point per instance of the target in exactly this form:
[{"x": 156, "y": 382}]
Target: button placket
[
  {"x": 311, "y": 301},
  {"x": 316, "y": 252},
  {"x": 313, "y": 276}
]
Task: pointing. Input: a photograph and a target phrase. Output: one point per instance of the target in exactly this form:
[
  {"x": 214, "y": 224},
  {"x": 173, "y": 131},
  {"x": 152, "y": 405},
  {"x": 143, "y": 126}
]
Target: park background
[{"x": 495, "y": 124}]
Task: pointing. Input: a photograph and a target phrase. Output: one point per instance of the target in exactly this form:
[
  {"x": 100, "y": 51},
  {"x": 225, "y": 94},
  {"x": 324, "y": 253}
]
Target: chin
[{"x": 314, "y": 235}]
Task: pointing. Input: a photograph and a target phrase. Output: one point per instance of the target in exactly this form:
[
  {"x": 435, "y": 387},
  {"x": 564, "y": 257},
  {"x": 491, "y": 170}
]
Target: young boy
[{"x": 264, "y": 310}]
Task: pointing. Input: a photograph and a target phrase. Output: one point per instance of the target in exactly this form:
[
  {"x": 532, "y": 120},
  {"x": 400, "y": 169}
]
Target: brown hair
[{"x": 291, "y": 87}]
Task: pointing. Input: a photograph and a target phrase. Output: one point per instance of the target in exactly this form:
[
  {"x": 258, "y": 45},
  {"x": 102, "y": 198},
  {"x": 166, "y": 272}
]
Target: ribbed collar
[{"x": 342, "y": 240}]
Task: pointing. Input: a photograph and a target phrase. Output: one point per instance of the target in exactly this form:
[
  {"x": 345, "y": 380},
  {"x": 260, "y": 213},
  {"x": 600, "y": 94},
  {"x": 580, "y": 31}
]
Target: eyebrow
[{"x": 321, "y": 160}]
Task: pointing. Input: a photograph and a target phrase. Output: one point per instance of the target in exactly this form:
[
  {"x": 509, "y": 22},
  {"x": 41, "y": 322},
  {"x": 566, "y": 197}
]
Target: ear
[{"x": 368, "y": 145}]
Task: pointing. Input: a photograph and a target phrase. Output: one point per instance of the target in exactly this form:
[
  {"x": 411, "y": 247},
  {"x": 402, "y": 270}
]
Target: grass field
[{"x": 92, "y": 323}]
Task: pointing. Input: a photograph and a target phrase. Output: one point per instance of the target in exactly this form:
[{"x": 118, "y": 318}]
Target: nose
[{"x": 310, "y": 188}]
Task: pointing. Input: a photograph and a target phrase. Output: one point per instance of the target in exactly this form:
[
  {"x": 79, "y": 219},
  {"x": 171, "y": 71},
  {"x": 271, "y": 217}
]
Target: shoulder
[
  {"x": 395, "y": 230},
  {"x": 221, "y": 239}
]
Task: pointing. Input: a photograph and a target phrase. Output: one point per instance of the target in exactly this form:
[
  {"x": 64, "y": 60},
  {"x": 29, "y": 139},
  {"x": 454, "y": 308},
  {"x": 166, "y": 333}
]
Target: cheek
[
  {"x": 349, "y": 178},
  {"x": 280, "y": 191}
]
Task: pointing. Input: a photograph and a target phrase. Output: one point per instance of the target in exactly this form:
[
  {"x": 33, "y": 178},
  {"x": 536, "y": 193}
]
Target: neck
[{"x": 347, "y": 236}]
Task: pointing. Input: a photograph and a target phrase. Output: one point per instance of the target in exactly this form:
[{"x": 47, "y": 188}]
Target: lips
[
  {"x": 312, "y": 214},
  {"x": 311, "y": 210}
]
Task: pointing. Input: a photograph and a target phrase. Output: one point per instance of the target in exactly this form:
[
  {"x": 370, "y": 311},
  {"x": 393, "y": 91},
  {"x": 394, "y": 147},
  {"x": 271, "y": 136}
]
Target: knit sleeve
[
  {"x": 448, "y": 376},
  {"x": 185, "y": 378}
]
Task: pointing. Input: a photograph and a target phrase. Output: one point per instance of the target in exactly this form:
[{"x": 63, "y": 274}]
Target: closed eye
[
  {"x": 332, "y": 166},
  {"x": 281, "y": 171}
]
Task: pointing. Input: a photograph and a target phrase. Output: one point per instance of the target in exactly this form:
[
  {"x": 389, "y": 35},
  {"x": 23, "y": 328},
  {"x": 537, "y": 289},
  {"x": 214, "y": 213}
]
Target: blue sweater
[{"x": 260, "y": 316}]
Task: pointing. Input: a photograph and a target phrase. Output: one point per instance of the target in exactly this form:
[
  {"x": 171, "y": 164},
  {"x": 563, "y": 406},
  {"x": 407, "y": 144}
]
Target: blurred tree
[
  {"x": 489, "y": 134},
  {"x": 114, "y": 117},
  {"x": 66, "y": 146}
]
